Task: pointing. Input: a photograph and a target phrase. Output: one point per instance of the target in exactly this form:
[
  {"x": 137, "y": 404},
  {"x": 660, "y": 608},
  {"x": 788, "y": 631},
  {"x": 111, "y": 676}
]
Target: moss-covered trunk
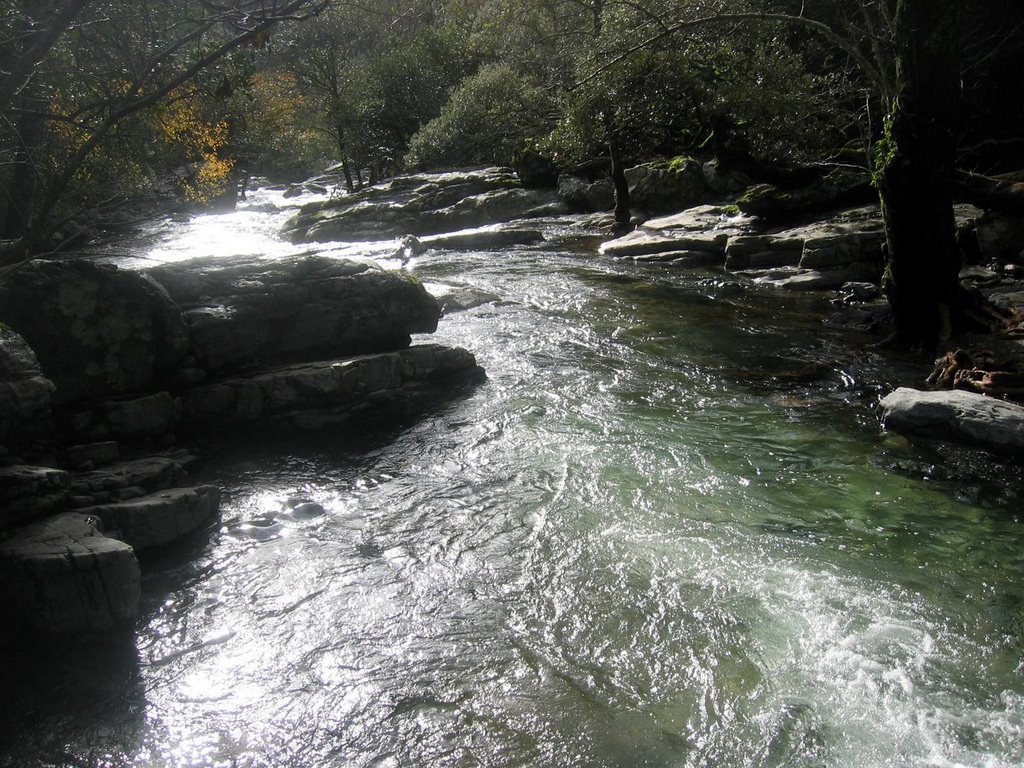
[{"x": 915, "y": 171}]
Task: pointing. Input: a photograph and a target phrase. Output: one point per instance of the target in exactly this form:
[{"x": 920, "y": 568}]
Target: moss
[{"x": 886, "y": 149}]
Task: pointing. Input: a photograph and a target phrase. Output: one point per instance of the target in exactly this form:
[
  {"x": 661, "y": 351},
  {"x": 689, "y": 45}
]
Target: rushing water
[{"x": 667, "y": 531}]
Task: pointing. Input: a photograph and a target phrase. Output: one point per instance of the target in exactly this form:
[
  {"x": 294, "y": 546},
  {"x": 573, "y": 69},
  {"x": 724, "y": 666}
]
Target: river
[{"x": 667, "y": 531}]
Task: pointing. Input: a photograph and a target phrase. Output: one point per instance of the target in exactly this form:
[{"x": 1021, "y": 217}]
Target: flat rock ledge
[
  {"x": 318, "y": 395},
  {"x": 836, "y": 248},
  {"x": 423, "y": 204},
  {"x": 158, "y": 518},
  {"x": 955, "y": 416},
  {"x": 62, "y": 575},
  {"x": 845, "y": 246}
]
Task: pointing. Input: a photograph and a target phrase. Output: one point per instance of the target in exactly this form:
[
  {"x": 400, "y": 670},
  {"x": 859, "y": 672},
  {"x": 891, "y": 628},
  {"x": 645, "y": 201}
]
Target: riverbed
[{"x": 666, "y": 531}]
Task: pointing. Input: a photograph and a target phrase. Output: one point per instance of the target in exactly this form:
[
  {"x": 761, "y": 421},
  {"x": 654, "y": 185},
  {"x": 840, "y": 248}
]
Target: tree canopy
[{"x": 103, "y": 100}]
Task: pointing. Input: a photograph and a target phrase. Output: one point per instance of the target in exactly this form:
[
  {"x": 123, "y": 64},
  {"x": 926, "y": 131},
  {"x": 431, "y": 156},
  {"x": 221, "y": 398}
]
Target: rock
[
  {"x": 724, "y": 182},
  {"x": 703, "y": 228},
  {"x": 1007, "y": 300},
  {"x": 410, "y": 247},
  {"x": 535, "y": 171},
  {"x": 584, "y": 196},
  {"x": 483, "y": 239},
  {"x": 150, "y": 416},
  {"x": 159, "y": 518},
  {"x": 61, "y": 575},
  {"x": 93, "y": 454},
  {"x": 462, "y": 299},
  {"x": 999, "y": 235},
  {"x": 838, "y": 188},
  {"x": 684, "y": 258},
  {"x": 860, "y": 291},
  {"x": 419, "y": 204},
  {"x": 956, "y": 416},
  {"x": 644, "y": 242},
  {"x": 244, "y": 314},
  {"x": 25, "y": 394},
  {"x": 799, "y": 279},
  {"x": 97, "y": 330},
  {"x": 28, "y": 492},
  {"x": 150, "y": 473},
  {"x": 659, "y": 188},
  {"x": 316, "y": 395}
]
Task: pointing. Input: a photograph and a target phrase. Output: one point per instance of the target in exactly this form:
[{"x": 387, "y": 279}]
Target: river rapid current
[{"x": 667, "y": 531}]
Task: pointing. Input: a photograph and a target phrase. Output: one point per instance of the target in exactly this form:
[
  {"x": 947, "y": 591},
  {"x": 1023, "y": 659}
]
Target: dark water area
[{"x": 666, "y": 531}]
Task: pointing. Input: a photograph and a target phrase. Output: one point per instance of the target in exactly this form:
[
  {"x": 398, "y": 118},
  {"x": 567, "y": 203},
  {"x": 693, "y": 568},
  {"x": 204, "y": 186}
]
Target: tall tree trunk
[
  {"x": 622, "y": 204},
  {"x": 915, "y": 172},
  {"x": 344, "y": 162},
  {"x": 23, "y": 186}
]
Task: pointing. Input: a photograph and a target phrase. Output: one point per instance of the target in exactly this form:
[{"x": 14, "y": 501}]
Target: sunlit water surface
[{"x": 667, "y": 531}]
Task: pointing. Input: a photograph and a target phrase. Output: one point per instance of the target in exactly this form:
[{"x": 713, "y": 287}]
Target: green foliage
[
  {"x": 487, "y": 119},
  {"x": 273, "y": 132}
]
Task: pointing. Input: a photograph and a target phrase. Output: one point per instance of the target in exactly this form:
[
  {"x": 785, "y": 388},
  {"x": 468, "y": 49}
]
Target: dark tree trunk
[
  {"x": 349, "y": 184},
  {"x": 915, "y": 172},
  {"x": 344, "y": 163},
  {"x": 23, "y": 186},
  {"x": 619, "y": 179}
]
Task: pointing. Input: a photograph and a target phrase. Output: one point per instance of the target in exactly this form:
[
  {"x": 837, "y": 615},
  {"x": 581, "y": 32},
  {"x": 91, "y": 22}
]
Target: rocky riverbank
[
  {"x": 106, "y": 375},
  {"x": 103, "y": 371}
]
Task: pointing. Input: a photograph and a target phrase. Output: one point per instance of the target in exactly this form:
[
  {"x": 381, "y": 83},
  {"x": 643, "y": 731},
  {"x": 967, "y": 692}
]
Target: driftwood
[{"x": 980, "y": 371}]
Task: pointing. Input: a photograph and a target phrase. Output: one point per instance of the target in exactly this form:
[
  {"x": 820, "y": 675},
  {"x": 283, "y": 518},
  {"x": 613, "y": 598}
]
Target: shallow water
[{"x": 667, "y": 531}]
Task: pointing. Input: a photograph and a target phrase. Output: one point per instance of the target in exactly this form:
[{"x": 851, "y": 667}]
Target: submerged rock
[
  {"x": 955, "y": 416},
  {"x": 62, "y": 575}
]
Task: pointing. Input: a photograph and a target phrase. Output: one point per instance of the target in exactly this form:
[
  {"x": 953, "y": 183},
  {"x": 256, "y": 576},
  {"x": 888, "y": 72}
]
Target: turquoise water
[{"x": 667, "y": 531}]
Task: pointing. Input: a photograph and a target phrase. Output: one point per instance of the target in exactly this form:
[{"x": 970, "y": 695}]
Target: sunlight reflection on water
[{"x": 626, "y": 548}]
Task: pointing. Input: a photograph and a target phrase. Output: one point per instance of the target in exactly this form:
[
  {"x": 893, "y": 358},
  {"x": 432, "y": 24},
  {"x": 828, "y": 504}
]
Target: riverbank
[
  {"x": 241, "y": 342},
  {"x": 667, "y": 527}
]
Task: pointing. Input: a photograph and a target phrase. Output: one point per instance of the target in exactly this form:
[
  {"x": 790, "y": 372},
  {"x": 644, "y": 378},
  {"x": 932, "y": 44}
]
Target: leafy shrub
[{"x": 487, "y": 119}]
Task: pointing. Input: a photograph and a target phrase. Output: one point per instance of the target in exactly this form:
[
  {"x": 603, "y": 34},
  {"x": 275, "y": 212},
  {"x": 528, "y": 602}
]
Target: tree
[
  {"x": 915, "y": 171},
  {"x": 490, "y": 117},
  {"x": 374, "y": 73},
  {"x": 97, "y": 65}
]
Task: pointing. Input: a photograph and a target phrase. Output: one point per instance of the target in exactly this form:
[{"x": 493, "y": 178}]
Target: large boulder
[
  {"x": 61, "y": 575},
  {"x": 97, "y": 330},
  {"x": 660, "y": 188},
  {"x": 837, "y": 189},
  {"x": 956, "y": 416},
  {"x": 584, "y": 196},
  {"x": 25, "y": 394},
  {"x": 245, "y": 314}
]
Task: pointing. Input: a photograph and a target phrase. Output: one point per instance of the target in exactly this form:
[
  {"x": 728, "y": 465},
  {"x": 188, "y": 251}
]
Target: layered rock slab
[
  {"x": 159, "y": 518},
  {"x": 62, "y": 575},
  {"x": 420, "y": 205},
  {"x": 957, "y": 416},
  {"x": 243, "y": 314},
  {"x": 314, "y": 395}
]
